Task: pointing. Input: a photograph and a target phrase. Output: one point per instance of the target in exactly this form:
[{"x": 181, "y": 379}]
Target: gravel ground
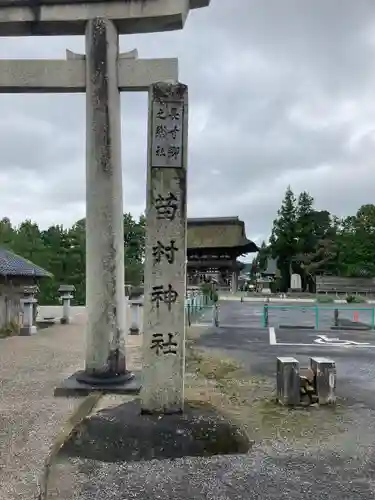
[
  {"x": 30, "y": 416},
  {"x": 298, "y": 454}
]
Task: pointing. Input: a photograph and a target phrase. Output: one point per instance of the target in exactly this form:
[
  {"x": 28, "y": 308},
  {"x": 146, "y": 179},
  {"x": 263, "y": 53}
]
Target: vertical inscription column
[
  {"x": 165, "y": 263},
  {"x": 105, "y": 346}
]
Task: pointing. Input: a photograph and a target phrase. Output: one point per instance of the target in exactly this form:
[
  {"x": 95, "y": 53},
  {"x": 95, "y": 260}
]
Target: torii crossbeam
[{"x": 102, "y": 73}]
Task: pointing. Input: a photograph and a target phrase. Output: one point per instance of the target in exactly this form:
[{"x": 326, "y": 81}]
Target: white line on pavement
[
  {"x": 356, "y": 346},
  {"x": 272, "y": 333}
]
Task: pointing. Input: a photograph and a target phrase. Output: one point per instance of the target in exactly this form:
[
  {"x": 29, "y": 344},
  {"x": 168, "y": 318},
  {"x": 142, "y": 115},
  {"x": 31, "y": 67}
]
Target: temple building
[
  {"x": 18, "y": 276},
  {"x": 213, "y": 246}
]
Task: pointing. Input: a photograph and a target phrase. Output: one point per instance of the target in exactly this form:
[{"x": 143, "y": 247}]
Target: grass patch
[
  {"x": 355, "y": 299},
  {"x": 324, "y": 299},
  {"x": 10, "y": 330},
  {"x": 250, "y": 401}
]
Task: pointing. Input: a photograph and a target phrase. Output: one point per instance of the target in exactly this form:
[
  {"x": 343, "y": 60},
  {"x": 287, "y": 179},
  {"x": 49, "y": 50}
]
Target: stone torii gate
[{"x": 102, "y": 73}]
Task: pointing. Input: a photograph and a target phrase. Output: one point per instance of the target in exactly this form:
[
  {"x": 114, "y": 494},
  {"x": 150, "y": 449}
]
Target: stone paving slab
[{"x": 30, "y": 416}]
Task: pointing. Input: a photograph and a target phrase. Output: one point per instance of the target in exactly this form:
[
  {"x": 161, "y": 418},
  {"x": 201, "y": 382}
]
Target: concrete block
[
  {"x": 325, "y": 379},
  {"x": 288, "y": 382}
]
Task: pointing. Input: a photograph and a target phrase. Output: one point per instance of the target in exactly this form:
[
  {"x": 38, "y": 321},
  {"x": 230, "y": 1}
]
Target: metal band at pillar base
[
  {"x": 82, "y": 383},
  {"x": 163, "y": 413},
  {"x": 105, "y": 379}
]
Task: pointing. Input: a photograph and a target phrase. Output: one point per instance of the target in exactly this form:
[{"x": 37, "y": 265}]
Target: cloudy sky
[{"x": 281, "y": 92}]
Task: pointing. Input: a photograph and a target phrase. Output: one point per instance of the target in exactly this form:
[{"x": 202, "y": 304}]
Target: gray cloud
[{"x": 280, "y": 93}]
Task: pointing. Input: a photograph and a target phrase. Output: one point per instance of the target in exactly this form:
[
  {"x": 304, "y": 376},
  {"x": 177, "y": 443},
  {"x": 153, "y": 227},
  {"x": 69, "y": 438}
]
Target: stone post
[
  {"x": 325, "y": 379},
  {"x": 234, "y": 284},
  {"x": 135, "y": 317},
  {"x": 28, "y": 302},
  {"x": 105, "y": 343},
  {"x": 215, "y": 315},
  {"x": 165, "y": 262},
  {"x": 66, "y": 295},
  {"x": 288, "y": 382},
  {"x": 336, "y": 317}
]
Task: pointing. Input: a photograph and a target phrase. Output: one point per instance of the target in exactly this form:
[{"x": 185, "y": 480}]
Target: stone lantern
[{"x": 66, "y": 295}]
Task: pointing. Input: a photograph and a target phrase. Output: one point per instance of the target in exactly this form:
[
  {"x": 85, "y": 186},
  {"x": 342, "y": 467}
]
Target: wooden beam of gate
[{"x": 59, "y": 76}]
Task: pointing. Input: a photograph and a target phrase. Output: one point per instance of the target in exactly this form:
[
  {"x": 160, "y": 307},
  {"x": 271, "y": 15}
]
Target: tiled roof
[
  {"x": 12, "y": 264},
  {"x": 218, "y": 232}
]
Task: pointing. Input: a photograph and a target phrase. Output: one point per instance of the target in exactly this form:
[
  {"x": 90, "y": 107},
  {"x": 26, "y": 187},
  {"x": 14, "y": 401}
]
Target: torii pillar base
[{"x": 82, "y": 384}]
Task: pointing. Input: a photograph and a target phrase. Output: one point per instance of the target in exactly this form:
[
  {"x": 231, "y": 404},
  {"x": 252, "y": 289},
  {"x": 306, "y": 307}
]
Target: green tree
[
  {"x": 134, "y": 241},
  {"x": 356, "y": 243},
  {"x": 7, "y": 233},
  {"x": 63, "y": 253},
  {"x": 261, "y": 259},
  {"x": 284, "y": 237},
  {"x": 316, "y": 243}
]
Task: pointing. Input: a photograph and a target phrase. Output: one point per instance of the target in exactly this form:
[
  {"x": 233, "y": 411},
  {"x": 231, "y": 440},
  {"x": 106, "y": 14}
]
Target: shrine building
[{"x": 213, "y": 246}]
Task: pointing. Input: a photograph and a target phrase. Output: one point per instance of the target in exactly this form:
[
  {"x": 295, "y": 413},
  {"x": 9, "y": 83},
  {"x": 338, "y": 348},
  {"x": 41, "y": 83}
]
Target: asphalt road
[
  {"x": 301, "y": 314},
  {"x": 342, "y": 468},
  {"x": 241, "y": 335}
]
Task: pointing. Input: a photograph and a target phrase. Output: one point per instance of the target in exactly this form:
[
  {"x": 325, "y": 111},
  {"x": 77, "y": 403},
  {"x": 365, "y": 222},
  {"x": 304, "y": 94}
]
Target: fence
[
  {"x": 318, "y": 317},
  {"x": 197, "y": 305}
]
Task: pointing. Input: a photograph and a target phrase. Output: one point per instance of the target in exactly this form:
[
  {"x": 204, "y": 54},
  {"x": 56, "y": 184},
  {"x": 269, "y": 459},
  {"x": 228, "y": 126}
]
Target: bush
[
  {"x": 355, "y": 299},
  {"x": 324, "y": 299},
  {"x": 12, "y": 328},
  {"x": 209, "y": 291}
]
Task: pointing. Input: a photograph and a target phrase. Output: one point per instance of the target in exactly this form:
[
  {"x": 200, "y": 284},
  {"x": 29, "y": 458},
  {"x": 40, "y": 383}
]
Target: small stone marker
[
  {"x": 325, "y": 379},
  {"x": 135, "y": 307},
  {"x": 29, "y": 303},
  {"x": 165, "y": 262},
  {"x": 66, "y": 294},
  {"x": 288, "y": 381},
  {"x": 296, "y": 282},
  {"x": 336, "y": 317},
  {"x": 215, "y": 315}
]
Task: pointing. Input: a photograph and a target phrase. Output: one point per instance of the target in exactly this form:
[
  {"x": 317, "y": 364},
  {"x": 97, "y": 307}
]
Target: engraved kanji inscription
[
  {"x": 161, "y": 132},
  {"x": 173, "y": 132},
  {"x": 168, "y": 251},
  {"x": 163, "y": 346},
  {"x": 162, "y": 113},
  {"x": 168, "y": 296},
  {"x": 166, "y": 206},
  {"x": 173, "y": 152},
  {"x": 160, "y": 151},
  {"x": 173, "y": 112},
  {"x": 167, "y": 134}
]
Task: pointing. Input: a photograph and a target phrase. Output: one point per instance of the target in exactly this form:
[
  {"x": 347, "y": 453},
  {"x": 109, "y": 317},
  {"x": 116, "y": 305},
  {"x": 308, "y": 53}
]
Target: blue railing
[
  {"x": 195, "y": 306},
  {"x": 320, "y": 314}
]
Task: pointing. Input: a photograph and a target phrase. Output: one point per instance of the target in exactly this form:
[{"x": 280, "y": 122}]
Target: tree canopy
[
  {"x": 312, "y": 242},
  {"x": 62, "y": 252}
]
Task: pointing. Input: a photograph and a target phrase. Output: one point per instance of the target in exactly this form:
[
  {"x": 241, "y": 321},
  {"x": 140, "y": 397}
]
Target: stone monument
[
  {"x": 165, "y": 261},
  {"x": 162, "y": 424},
  {"x": 295, "y": 283}
]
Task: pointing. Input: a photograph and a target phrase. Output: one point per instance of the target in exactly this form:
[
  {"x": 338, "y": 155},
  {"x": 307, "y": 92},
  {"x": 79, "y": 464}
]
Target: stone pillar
[
  {"x": 105, "y": 345},
  {"x": 28, "y": 302},
  {"x": 165, "y": 262}
]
